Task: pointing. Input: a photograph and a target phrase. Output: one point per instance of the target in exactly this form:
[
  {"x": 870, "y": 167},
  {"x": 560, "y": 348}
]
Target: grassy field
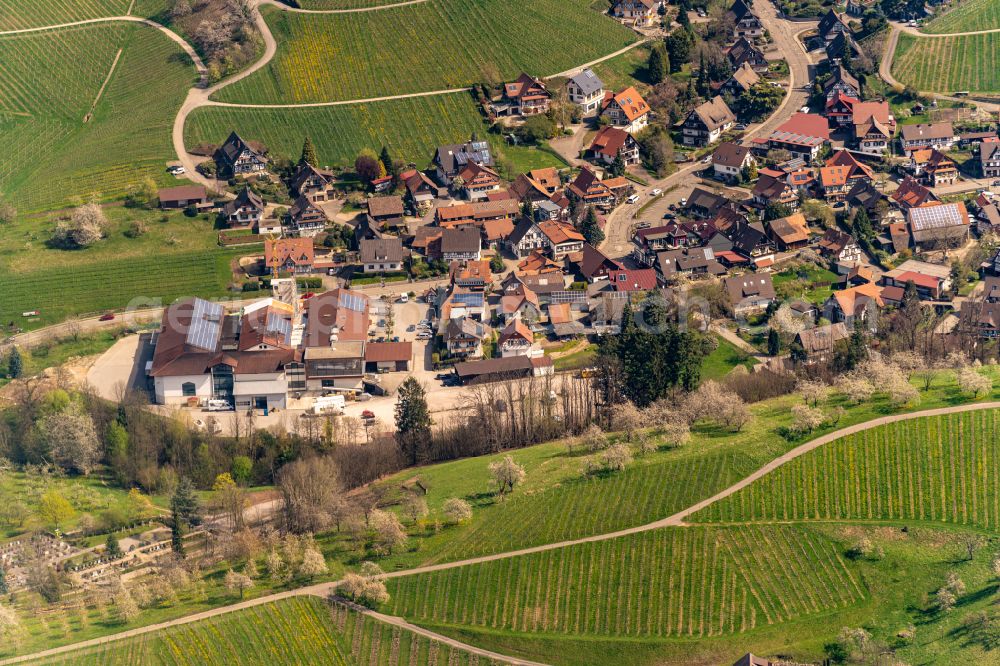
[
  {"x": 686, "y": 582},
  {"x": 726, "y": 356},
  {"x": 88, "y": 495},
  {"x": 628, "y": 69},
  {"x": 176, "y": 256},
  {"x": 967, "y": 16},
  {"x": 937, "y": 469},
  {"x": 56, "y": 152},
  {"x": 948, "y": 64},
  {"x": 18, "y": 14},
  {"x": 419, "y": 48},
  {"x": 411, "y": 128}
]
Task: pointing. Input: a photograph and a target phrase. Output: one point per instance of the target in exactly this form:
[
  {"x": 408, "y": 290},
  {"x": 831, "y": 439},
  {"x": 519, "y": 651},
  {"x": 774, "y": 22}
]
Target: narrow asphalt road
[
  {"x": 675, "y": 520},
  {"x": 617, "y": 239}
]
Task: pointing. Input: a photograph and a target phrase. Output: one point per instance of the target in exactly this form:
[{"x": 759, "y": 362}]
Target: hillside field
[
  {"x": 420, "y": 48},
  {"x": 557, "y": 501},
  {"x": 300, "y": 630},
  {"x": 321, "y": 5},
  {"x": 20, "y": 14},
  {"x": 55, "y": 152},
  {"x": 967, "y": 16},
  {"x": 151, "y": 280},
  {"x": 948, "y": 64},
  {"x": 411, "y": 128},
  {"x": 686, "y": 582},
  {"x": 933, "y": 469}
]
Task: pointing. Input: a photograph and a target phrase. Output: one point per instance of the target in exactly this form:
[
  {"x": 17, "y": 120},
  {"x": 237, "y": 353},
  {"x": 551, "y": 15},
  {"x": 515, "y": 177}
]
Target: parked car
[
  {"x": 643, "y": 225},
  {"x": 107, "y": 317},
  {"x": 655, "y": 192},
  {"x": 368, "y": 415},
  {"x": 632, "y": 198},
  {"x": 740, "y": 126},
  {"x": 441, "y": 376},
  {"x": 176, "y": 170}
]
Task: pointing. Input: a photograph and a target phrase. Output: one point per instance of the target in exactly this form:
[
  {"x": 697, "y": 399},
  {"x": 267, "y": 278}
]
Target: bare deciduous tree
[{"x": 310, "y": 488}]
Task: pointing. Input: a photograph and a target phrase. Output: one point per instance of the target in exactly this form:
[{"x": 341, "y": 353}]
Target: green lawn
[
  {"x": 54, "y": 154},
  {"x": 967, "y": 16},
  {"x": 809, "y": 282},
  {"x": 723, "y": 359},
  {"x": 948, "y": 64},
  {"x": 18, "y": 14},
  {"x": 419, "y": 48},
  {"x": 628, "y": 69},
  {"x": 56, "y": 352}
]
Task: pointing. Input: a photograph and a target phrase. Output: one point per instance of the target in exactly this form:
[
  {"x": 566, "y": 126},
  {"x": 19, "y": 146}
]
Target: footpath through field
[{"x": 675, "y": 520}]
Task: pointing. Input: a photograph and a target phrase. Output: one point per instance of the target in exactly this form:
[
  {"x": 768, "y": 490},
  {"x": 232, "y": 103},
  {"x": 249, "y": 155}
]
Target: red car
[
  {"x": 368, "y": 414},
  {"x": 107, "y": 317}
]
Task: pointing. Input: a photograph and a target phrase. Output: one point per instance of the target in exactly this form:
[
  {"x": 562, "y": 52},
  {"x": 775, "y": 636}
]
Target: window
[{"x": 188, "y": 389}]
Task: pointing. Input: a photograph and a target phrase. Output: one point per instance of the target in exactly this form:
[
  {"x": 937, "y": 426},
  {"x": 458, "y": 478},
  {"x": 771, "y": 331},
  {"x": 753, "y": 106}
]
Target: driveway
[{"x": 122, "y": 367}]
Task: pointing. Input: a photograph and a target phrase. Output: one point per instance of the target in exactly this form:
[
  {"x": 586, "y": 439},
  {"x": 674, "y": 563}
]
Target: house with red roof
[
  {"x": 931, "y": 280},
  {"x": 516, "y": 339},
  {"x": 609, "y": 143},
  {"x": 633, "y": 279},
  {"x": 527, "y": 96},
  {"x": 626, "y": 109},
  {"x": 803, "y": 135},
  {"x": 911, "y": 194}
]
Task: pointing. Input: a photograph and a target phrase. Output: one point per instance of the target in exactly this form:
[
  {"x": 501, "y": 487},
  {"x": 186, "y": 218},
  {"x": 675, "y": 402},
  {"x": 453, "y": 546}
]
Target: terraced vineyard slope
[
  {"x": 967, "y": 16},
  {"x": 19, "y": 14},
  {"x": 948, "y": 64},
  {"x": 679, "y": 582},
  {"x": 340, "y": 132},
  {"x": 935, "y": 469},
  {"x": 64, "y": 138},
  {"x": 419, "y": 48},
  {"x": 299, "y": 630}
]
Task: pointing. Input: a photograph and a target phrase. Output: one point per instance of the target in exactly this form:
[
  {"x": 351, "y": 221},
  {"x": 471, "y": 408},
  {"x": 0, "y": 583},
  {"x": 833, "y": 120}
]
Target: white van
[
  {"x": 634, "y": 198},
  {"x": 404, "y": 298},
  {"x": 330, "y": 404},
  {"x": 219, "y": 406}
]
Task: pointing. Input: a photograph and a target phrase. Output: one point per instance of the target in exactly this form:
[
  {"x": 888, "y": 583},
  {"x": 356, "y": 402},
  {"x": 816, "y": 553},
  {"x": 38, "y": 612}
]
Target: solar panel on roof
[
  {"x": 279, "y": 326},
  {"x": 468, "y": 299},
  {"x": 352, "y": 302},
  {"x": 206, "y": 325}
]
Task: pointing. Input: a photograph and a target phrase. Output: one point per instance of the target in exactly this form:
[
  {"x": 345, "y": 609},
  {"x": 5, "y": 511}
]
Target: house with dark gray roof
[
  {"x": 586, "y": 90},
  {"x": 245, "y": 210},
  {"x": 450, "y": 160},
  {"x": 235, "y": 157},
  {"x": 381, "y": 254}
]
